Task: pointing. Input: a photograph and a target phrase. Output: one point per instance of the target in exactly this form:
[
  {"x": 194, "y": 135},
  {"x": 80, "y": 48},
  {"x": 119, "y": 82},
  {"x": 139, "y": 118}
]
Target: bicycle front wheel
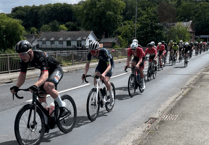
[
  {"x": 27, "y": 130},
  {"x": 108, "y": 106},
  {"x": 131, "y": 85},
  {"x": 93, "y": 105},
  {"x": 67, "y": 123}
]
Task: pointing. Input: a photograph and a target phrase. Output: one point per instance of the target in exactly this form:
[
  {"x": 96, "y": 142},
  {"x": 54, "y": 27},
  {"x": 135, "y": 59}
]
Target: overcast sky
[{"x": 7, "y": 5}]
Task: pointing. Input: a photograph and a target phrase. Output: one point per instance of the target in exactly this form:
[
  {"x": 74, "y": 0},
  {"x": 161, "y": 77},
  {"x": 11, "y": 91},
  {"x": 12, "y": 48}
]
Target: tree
[
  {"x": 72, "y": 26},
  {"x": 62, "y": 27},
  {"x": 101, "y": 16},
  {"x": 11, "y": 31},
  {"x": 179, "y": 32},
  {"x": 33, "y": 30},
  {"x": 45, "y": 28},
  {"x": 54, "y": 25}
]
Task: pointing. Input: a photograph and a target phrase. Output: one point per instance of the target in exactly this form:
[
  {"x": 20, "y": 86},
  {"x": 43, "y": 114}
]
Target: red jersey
[
  {"x": 139, "y": 52},
  {"x": 151, "y": 51},
  {"x": 161, "y": 48}
]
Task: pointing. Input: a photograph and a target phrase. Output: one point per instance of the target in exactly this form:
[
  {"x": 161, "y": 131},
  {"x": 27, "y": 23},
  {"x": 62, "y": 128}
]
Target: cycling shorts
[
  {"x": 161, "y": 53},
  {"x": 136, "y": 59},
  {"x": 101, "y": 67},
  {"x": 55, "y": 76}
]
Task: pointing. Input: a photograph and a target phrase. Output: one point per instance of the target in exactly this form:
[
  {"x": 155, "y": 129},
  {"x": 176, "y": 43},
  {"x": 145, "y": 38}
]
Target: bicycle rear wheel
[
  {"x": 107, "y": 105},
  {"x": 92, "y": 106},
  {"x": 131, "y": 85},
  {"x": 67, "y": 123},
  {"x": 27, "y": 130}
]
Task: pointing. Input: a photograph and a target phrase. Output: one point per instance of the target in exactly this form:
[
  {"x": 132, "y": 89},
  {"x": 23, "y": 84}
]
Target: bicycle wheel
[
  {"x": 92, "y": 106},
  {"x": 148, "y": 74},
  {"x": 107, "y": 105},
  {"x": 131, "y": 85},
  {"x": 154, "y": 74},
  {"x": 164, "y": 60},
  {"x": 185, "y": 63},
  {"x": 28, "y": 131},
  {"x": 67, "y": 123}
]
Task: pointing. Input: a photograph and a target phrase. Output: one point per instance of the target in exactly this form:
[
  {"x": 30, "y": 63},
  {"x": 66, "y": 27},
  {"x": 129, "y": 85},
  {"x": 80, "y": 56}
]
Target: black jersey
[
  {"x": 104, "y": 57},
  {"x": 40, "y": 60}
]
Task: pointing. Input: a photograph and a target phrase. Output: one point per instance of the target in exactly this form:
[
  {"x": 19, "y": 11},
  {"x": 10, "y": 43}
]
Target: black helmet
[
  {"x": 149, "y": 45},
  {"x": 22, "y": 46},
  {"x": 163, "y": 42}
]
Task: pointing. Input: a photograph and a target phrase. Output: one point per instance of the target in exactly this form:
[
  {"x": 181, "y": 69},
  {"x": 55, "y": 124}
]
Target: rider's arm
[
  {"x": 43, "y": 78},
  {"x": 107, "y": 69},
  {"x": 140, "y": 60},
  {"x": 21, "y": 79},
  {"x": 128, "y": 60}
]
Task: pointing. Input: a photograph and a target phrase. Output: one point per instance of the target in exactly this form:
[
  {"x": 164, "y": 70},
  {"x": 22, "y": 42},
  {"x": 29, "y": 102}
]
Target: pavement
[
  {"x": 11, "y": 77},
  {"x": 183, "y": 119}
]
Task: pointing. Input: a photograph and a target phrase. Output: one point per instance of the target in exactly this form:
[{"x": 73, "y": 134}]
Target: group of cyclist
[{"x": 52, "y": 73}]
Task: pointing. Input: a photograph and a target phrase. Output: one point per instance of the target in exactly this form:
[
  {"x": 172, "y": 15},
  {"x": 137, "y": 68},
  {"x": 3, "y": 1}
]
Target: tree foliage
[{"x": 11, "y": 31}]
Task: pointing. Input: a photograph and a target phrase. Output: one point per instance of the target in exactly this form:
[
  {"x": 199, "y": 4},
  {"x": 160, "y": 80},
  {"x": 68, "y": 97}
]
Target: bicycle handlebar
[
  {"x": 16, "y": 95},
  {"x": 94, "y": 76}
]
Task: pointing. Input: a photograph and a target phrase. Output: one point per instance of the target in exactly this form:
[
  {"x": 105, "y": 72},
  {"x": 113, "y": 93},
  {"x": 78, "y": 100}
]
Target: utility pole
[{"x": 135, "y": 18}]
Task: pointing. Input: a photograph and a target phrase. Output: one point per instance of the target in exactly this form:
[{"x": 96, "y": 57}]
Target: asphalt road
[{"x": 109, "y": 128}]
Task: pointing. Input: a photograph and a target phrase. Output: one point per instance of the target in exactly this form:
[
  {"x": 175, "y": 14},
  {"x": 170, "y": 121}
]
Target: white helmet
[
  {"x": 152, "y": 43},
  {"x": 186, "y": 44},
  {"x": 134, "y": 45},
  {"x": 93, "y": 45},
  {"x": 135, "y": 40},
  {"x": 181, "y": 41},
  {"x": 159, "y": 43}
]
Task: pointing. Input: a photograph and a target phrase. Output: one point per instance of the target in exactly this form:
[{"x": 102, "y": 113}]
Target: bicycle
[
  {"x": 133, "y": 82},
  {"x": 186, "y": 59},
  {"x": 35, "y": 119},
  {"x": 96, "y": 97},
  {"x": 151, "y": 71},
  {"x": 158, "y": 65}
]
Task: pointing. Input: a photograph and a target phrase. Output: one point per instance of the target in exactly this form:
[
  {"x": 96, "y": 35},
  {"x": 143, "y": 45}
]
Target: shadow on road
[
  {"x": 124, "y": 96},
  {"x": 179, "y": 67},
  {"x": 9, "y": 143}
]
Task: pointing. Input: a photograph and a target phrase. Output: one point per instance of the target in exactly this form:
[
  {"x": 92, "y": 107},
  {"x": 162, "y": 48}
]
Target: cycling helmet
[
  {"x": 200, "y": 42},
  {"x": 149, "y": 45},
  {"x": 163, "y": 42},
  {"x": 22, "y": 46},
  {"x": 171, "y": 41},
  {"x": 175, "y": 43},
  {"x": 181, "y": 41},
  {"x": 159, "y": 43},
  {"x": 134, "y": 46},
  {"x": 93, "y": 45},
  {"x": 135, "y": 40},
  {"x": 152, "y": 43},
  {"x": 186, "y": 44}
]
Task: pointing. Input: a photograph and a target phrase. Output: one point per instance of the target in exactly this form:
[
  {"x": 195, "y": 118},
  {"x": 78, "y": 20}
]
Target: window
[
  {"x": 60, "y": 42},
  {"x": 44, "y": 42},
  {"x": 68, "y": 43},
  {"x": 78, "y": 43},
  {"x": 52, "y": 42}
]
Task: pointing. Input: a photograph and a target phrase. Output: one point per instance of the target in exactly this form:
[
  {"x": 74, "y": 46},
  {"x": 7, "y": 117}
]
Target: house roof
[
  {"x": 103, "y": 40},
  {"x": 31, "y": 37},
  {"x": 66, "y": 35}
]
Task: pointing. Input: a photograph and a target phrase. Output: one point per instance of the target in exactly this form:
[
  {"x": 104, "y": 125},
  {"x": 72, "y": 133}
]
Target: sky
[{"x": 7, "y": 5}]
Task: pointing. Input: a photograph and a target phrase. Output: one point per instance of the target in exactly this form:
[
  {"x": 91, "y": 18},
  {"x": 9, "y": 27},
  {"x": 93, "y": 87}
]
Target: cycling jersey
[
  {"x": 181, "y": 45},
  {"x": 175, "y": 47},
  {"x": 105, "y": 58},
  {"x": 152, "y": 51},
  {"x": 161, "y": 48},
  {"x": 139, "y": 52},
  {"x": 186, "y": 49},
  {"x": 40, "y": 60}
]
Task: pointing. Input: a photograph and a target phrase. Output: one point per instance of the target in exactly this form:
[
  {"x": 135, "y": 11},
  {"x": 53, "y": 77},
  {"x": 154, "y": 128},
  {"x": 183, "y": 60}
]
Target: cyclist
[
  {"x": 136, "y": 41},
  {"x": 200, "y": 46},
  {"x": 104, "y": 67},
  {"x": 51, "y": 73},
  {"x": 174, "y": 49},
  {"x": 153, "y": 54},
  {"x": 138, "y": 60},
  {"x": 181, "y": 46},
  {"x": 170, "y": 44},
  {"x": 161, "y": 52},
  {"x": 196, "y": 47},
  {"x": 186, "y": 49},
  {"x": 192, "y": 47},
  {"x": 153, "y": 44}
]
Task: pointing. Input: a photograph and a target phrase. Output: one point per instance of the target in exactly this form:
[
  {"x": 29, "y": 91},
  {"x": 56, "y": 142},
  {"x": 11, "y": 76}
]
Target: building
[
  {"x": 66, "y": 40},
  {"x": 189, "y": 25},
  {"x": 32, "y": 38},
  {"x": 204, "y": 37},
  {"x": 109, "y": 42}
]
